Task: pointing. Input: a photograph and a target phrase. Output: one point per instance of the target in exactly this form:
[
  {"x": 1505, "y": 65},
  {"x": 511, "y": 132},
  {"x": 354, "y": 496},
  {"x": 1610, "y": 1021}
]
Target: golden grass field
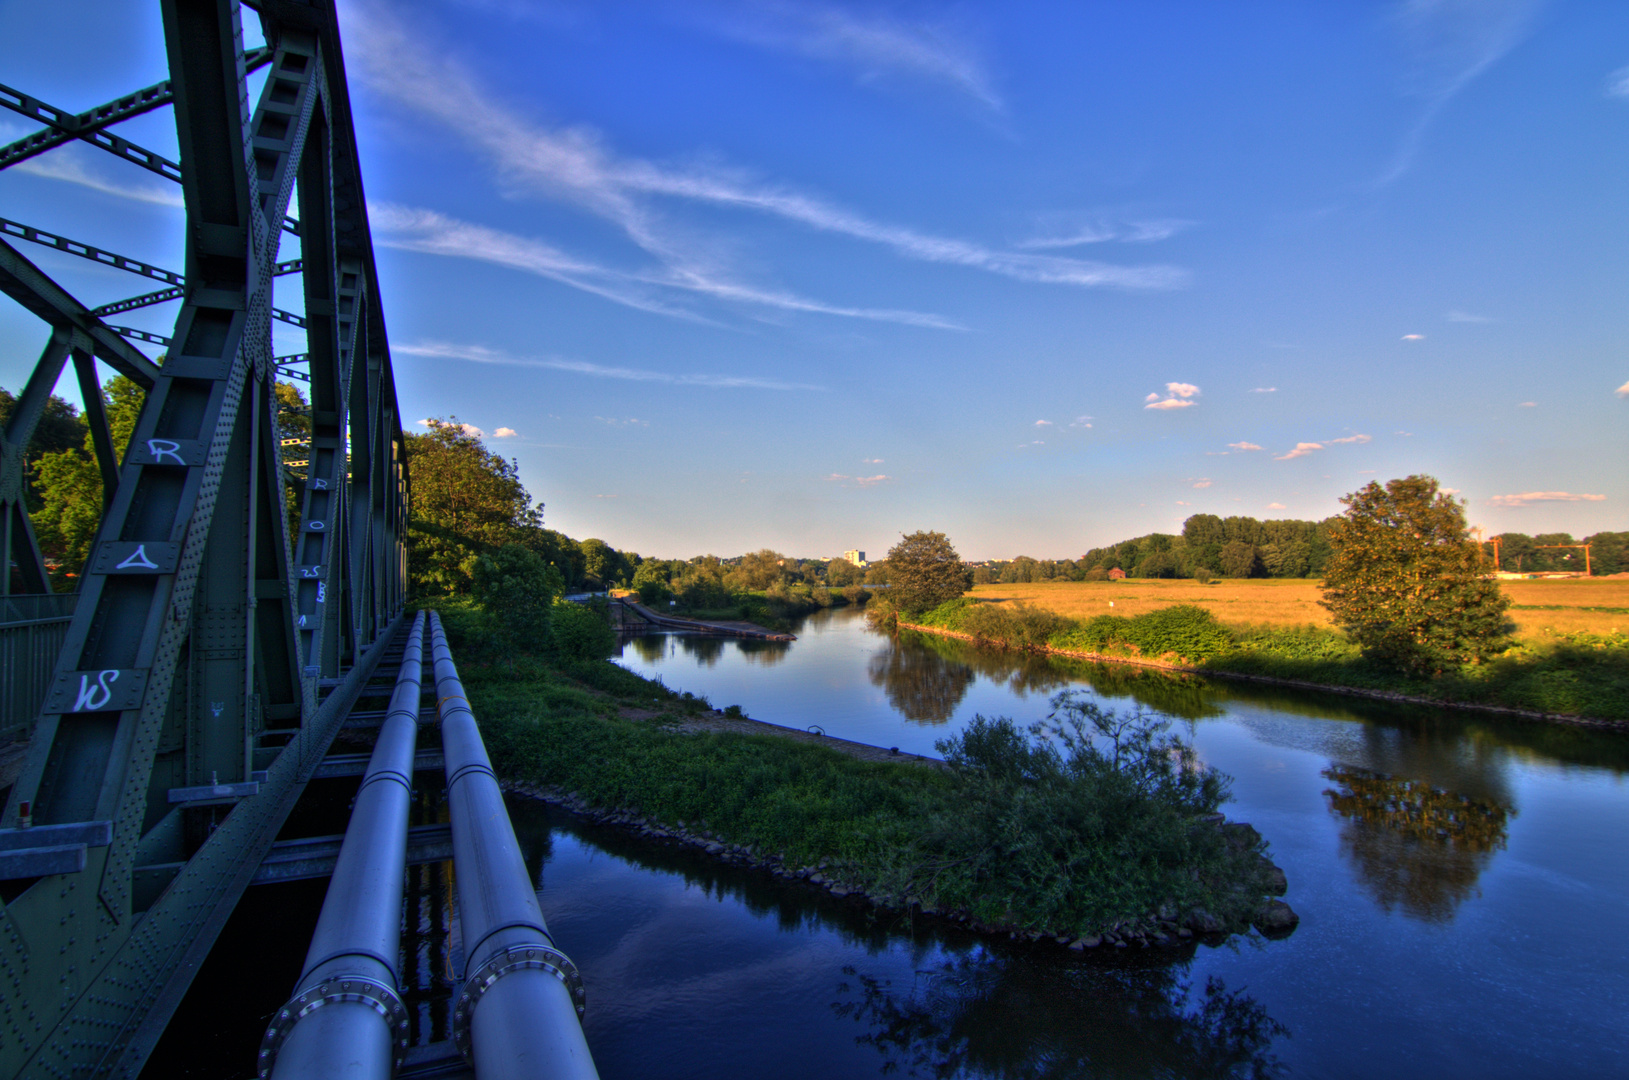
[{"x": 1536, "y": 606}]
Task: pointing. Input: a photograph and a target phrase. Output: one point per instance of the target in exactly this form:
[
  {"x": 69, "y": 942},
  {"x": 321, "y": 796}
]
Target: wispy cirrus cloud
[
  {"x": 67, "y": 164},
  {"x": 576, "y": 166},
  {"x": 858, "y": 481},
  {"x": 414, "y": 229},
  {"x": 1243, "y": 446},
  {"x": 1527, "y": 498},
  {"x": 1264, "y": 390},
  {"x": 1359, "y": 439},
  {"x": 1617, "y": 83},
  {"x": 1077, "y": 230},
  {"x": 873, "y": 44},
  {"x": 1448, "y": 44},
  {"x": 481, "y": 355},
  {"x": 1082, "y": 421}
]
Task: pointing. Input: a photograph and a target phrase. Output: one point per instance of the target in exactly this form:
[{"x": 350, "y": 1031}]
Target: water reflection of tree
[
  {"x": 1184, "y": 696},
  {"x": 759, "y": 651},
  {"x": 706, "y": 650},
  {"x": 924, "y": 686},
  {"x": 1037, "y": 1017},
  {"x": 1416, "y": 847},
  {"x": 652, "y": 648}
]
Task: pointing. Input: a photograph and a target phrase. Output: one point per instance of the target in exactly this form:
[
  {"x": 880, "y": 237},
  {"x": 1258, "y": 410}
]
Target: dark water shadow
[{"x": 979, "y": 1007}]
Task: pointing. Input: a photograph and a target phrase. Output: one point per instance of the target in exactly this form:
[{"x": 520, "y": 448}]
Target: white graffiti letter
[
  {"x": 302, "y": 622},
  {"x": 322, "y": 590},
  {"x": 315, "y": 526},
  {"x": 164, "y": 448},
  {"x": 310, "y": 571},
  {"x": 215, "y": 707},
  {"x": 138, "y": 558},
  {"x": 93, "y": 697},
  {"x": 319, "y": 484}
]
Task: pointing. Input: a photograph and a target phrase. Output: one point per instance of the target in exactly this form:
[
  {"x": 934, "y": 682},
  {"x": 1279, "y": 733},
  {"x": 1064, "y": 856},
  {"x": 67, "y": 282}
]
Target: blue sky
[{"x": 723, "y": 276}]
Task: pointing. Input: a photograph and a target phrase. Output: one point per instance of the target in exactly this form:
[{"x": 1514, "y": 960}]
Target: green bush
[
  {"x": 1187, "y": 631},
  {"x": 581, "y": 633}
]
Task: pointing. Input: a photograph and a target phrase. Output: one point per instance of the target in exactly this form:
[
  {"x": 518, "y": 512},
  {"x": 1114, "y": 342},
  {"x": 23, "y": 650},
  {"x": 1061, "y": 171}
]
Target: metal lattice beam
[{"x": 204, "y": 632}]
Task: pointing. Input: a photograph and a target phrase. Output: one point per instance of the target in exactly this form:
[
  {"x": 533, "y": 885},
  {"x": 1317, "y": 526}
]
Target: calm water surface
[{"x": 1462, "y": 885}]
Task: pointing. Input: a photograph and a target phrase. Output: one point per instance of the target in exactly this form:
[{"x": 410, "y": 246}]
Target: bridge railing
[{"x": 32, "y": 630}]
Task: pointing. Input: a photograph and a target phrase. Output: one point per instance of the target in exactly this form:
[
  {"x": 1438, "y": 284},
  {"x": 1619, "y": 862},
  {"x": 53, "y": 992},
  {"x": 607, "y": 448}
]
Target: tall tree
[
  {"x": 466, "y": 500},
  {"x": 924, "y": 571},
  {"x": 1406, "y": 580}
]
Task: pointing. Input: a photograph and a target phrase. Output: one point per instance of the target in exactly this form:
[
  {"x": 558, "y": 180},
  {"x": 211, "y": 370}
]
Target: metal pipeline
[
  {"x": 346, "y": 1019},
  {"x": 519, "y": 1014}
]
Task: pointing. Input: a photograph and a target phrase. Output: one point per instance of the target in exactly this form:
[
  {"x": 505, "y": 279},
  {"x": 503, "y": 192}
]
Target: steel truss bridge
[{"x": 176, "y": 707}]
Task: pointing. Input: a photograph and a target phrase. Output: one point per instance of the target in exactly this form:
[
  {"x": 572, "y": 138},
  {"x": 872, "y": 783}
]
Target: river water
[{"x": 1462, "y": 881}]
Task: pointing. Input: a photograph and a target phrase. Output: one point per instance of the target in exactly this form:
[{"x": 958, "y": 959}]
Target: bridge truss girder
[{"x": 205, "y": 635}]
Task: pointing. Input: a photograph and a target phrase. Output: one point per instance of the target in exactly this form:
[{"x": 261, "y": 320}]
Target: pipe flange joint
[
  {"x": 499, "y": 964},
  {"x": 356, "y": 988}
]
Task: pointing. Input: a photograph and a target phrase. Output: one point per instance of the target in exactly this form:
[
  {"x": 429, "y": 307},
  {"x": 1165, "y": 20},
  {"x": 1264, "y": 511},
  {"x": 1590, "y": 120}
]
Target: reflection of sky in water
[{"x": 1413, "y": 958}]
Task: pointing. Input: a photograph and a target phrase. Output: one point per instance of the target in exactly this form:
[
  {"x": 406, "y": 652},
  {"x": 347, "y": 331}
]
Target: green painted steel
[{"x": 206, "y": 644}]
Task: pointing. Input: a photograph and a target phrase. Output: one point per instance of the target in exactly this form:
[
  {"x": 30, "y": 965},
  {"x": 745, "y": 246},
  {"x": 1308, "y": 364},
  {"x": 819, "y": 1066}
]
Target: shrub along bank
[
  {"x": 1578, "y": 674},
  {"x": 1094, "y": 827}
]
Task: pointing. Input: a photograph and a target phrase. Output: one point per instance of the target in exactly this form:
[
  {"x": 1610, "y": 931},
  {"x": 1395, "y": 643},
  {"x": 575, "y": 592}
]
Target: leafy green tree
[
  {"x": 841, "y": 572},
  {"x": 924, "y": 571},
  {"x": 757, "y": 571},
  {"x": 466, "y": 500},
  {"x": 1239, "y": 558},
  {"x": 518, "y": 589},
  {"x": 1406, "y": 581},
  {"x": 69, "y": 483}
]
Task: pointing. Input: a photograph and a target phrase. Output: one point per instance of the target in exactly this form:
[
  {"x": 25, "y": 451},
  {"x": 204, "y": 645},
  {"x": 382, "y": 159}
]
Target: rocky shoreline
[{"x": 1164, "y": 928}]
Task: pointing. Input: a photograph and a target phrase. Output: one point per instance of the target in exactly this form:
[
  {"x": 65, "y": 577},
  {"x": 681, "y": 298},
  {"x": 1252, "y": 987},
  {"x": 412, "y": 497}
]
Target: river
[{"x": 1461, "y": 881}]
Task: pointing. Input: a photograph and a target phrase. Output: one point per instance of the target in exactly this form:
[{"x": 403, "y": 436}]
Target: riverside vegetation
[{"x": 1091, "y": 828}]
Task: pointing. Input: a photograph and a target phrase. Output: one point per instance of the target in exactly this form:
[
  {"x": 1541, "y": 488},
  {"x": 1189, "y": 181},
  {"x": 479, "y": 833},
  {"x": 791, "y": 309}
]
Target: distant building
[
  {"x": 855, "y": 557},
  {"x": 1116, "y": 574}
]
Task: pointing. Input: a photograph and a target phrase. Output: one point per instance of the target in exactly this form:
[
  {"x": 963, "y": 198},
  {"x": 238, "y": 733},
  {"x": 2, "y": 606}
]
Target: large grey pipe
[
  {"x": 346, "y": 1019},
  {"x": 519, "y": 1014}
]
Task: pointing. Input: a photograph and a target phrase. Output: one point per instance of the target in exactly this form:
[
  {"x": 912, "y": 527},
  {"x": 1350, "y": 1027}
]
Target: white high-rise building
[{"x": 855, "y": 557}]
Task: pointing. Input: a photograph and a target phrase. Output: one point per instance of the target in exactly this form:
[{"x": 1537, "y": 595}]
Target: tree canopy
[
  {"x": 924, "y": 571},
  {"x": 466, "y": 501},
  {"x": 1406, "y": 581}
]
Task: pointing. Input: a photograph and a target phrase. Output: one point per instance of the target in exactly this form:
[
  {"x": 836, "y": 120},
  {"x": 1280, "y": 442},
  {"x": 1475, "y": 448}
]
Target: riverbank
[
  {"x": 1579, "y": 678},
  {"x": 1098, "y": 856}
]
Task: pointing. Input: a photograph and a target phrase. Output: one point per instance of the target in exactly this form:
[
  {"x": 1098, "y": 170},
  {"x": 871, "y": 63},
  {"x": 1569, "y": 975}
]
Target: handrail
[
  {"x": 519, "y": 1014},
  {"x": 346, "y": 1017}
]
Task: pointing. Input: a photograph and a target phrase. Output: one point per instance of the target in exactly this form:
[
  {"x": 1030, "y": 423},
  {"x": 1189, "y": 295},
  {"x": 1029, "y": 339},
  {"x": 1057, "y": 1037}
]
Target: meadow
[{"x": 1539, "y": 608}]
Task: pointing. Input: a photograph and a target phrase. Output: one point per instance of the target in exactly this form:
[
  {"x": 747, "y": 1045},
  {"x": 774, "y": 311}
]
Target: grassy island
[{"x": 1092, "y": 827}]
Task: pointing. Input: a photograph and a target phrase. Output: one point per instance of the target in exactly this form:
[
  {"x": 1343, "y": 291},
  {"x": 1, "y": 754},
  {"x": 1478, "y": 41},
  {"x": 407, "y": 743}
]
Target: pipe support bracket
[
  {"x": 501, "y": 963},
  {"x": 381, "y": 998}
]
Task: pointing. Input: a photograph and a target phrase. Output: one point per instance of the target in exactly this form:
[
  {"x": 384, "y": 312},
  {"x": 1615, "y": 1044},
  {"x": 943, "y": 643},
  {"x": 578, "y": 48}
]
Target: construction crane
[{"x": 1584, "y": 546}]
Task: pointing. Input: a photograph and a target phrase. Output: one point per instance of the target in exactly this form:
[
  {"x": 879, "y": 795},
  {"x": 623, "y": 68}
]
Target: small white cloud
[
  {"x": 1081, "y": 422},
  {"x": 1216, "y": 453},
  {"x": 608, "y": 496},
  {"x": 1182, "y": 389},
  {"x": 1467, "y": 317},
  {"x": 1528, "y": 405},
  {"x": 870, "y": 481},
  {"x": 505, "y": 433},
  {"x": 1201, "y": 483},
  {"x": 872, "y": 461},
  {"x": 1413, "y": 337},
  {"x": 1242, "y": 446},
  {"x": 1170, "y": 403},
  {"x": 614, "y": 421},
  {"x": 1404, "y": 434},
  {"x": 1265, "y": 390},
  {"x": 1622, "y": 391},
  {"x": 1179, "y": 502},
  {"x": 1156, "y": 397},
  {"x": 1178, "y": 395},
  {"x": 1277, "y": 506},
  {"x": 1527, "y": 497},
  {"x": 1302, "y": 449},
  {"x": 1449, "y": 491},
  {"x": 1352, "y": 439},
  {"x": 1043, "y": 423},
  {"x": 1617, "y": 83}
]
